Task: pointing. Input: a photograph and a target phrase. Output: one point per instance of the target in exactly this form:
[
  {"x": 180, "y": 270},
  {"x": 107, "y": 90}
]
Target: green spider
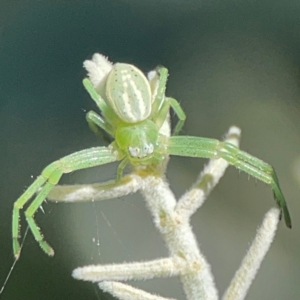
[{"x": 134, "y": 110}]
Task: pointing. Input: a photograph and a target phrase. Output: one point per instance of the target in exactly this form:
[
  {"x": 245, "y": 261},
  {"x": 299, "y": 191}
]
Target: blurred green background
[{"x": 230, "y": 62}]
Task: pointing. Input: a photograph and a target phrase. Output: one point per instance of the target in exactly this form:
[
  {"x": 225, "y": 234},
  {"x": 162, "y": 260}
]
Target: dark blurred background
[{"x": 230, "y": 62}]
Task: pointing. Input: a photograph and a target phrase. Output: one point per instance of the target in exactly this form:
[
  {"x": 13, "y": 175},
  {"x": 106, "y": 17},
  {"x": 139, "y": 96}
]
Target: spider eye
[
  {"x": 141, "y": 152},
  {"x": 148, "y": 148},
  {"x": 134, "y": 151}
]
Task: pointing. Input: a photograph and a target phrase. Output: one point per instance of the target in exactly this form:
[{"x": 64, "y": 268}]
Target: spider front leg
[
  {"x": 211, "y": 148},
  {"x": 46, "y": 181}
]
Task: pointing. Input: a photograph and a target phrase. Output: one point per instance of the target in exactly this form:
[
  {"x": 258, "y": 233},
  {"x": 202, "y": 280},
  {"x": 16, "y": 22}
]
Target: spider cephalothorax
[{"x": 138, "y": 140}]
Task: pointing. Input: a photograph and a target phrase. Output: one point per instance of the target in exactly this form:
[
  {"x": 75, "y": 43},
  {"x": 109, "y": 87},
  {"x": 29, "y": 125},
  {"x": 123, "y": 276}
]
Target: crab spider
[{"x": 134, "y": 109}]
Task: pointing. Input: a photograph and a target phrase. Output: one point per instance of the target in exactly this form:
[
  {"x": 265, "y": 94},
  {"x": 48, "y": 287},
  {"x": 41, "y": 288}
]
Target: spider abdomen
[{"x": 128, "y": 93}]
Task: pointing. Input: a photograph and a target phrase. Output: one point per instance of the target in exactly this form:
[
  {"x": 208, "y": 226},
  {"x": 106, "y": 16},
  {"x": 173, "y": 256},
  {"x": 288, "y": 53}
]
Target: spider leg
[
  {"x": 95, "y": 122},
  {"x": 122, "y": 165},
  {"x": 107, "y": 112},
  {"x": 161, "y": 103},
  {"x": 46, "y": 181},
  {"x": 158, "y": 82},
  {"x": 94, "y": 94},
  {"x": 163, "y": 112},
  {"x": 259, "y": 169},
  {"x": 211, "y": 148}
]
